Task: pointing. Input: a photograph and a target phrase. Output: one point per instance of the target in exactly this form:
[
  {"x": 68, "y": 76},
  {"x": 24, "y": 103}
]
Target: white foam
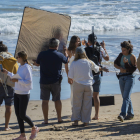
[
  {"x": 104, "y": 15},
  {"x": 123, "y": 21},
  {"x": 10, "y": 23}
]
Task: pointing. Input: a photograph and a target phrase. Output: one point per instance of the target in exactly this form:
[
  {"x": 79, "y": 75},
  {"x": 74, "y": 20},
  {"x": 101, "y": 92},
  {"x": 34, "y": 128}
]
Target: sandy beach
[{"x": 106, "y": 128}]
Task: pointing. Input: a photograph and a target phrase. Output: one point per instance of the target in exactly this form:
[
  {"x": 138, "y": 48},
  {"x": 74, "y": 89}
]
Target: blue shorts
[
  {"x": 9, "y": 100},
  {"x": 97, "y": 83}
]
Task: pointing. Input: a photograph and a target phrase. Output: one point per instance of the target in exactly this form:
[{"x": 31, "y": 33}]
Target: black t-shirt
[{"x": 50, "y": 65}]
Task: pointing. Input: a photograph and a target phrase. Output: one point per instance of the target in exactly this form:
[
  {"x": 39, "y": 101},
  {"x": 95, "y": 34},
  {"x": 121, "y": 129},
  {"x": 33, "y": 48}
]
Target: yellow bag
[{"x": 9, "y": 63}]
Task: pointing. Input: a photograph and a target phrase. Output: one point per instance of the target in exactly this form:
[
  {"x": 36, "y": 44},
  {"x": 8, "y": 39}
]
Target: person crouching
[{"x": 80, "y": 74}]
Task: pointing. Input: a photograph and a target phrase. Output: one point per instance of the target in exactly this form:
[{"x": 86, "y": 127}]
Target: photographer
[{"x": 96, "y": 52}]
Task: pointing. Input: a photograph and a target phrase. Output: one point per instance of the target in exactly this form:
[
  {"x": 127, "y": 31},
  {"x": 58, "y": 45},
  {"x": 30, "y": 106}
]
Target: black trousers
[{"x": 20, "y": 104}]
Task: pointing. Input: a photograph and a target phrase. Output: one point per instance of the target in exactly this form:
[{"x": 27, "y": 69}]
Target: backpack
[{"x": 94, "y": 55}]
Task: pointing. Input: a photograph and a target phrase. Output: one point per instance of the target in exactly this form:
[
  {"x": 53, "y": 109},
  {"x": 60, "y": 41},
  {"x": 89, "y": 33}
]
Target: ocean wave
[
  {"x": 105, "y": 23},
  {"x": 10, "y": 23},
  {"x": 105, "y": 16}
]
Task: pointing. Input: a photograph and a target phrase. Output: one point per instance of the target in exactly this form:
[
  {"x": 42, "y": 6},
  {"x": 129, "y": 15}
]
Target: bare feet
[
  {"x": 95, "y": 118},
  {"x": 45, "y": 122},
  {"x": 7, "y": 129},
  {"x": 60, "y": 121}
]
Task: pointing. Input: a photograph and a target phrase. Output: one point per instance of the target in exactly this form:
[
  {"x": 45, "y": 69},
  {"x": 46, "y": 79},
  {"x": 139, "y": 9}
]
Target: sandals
[
  {"x": 7, "y": 129},
  {"x": 75, "y": 123},
  {"x": 60, "y": 121},
  {"x": 94, "y": 118},
  {"x": 44, "y": 122},
  {"x": 85, "y": 124}
]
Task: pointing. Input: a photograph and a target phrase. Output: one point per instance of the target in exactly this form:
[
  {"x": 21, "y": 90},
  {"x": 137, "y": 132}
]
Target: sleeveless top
[
  {"x": 127, "y": 57},
  {"x": 71, "y": 59}
]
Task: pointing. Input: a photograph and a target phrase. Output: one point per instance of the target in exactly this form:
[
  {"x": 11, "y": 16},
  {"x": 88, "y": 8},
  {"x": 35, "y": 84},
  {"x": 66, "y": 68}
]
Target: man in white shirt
[{"x": 99, "y": 52}]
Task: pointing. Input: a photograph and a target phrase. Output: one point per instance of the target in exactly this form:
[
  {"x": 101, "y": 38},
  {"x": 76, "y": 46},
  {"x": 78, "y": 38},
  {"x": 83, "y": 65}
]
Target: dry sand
[{"x": 106, "y": 128}]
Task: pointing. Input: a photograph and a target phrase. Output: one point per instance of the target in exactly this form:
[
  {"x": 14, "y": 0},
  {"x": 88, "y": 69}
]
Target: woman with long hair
[
  {"x": 126, "y": 63},
  {"x": 80, "y": 75},
  {"x": 74, "y": 43},
  {"x": 22, "y": 94}
]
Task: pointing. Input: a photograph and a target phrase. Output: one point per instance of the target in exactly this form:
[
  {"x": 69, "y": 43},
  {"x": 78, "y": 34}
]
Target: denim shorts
[
  {"x": 54, "y": 89},
  {"x": 9, "y": 100},
  {"x": 97, "y": 83}
]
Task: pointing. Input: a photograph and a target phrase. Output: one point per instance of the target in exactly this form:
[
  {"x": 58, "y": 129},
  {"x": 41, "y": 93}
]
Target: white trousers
[
  {"x": 82, "y": 102},
  {"x": 71, "y": 97}
]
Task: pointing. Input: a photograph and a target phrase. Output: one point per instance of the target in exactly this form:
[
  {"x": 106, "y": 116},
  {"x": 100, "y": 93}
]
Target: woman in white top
[
  {"x": 80, "y": 75},
  {"x": 74, "y": 43},
  {"x": 22, "y": 88}
]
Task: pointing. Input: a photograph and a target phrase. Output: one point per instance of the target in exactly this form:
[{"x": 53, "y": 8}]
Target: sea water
[{"x": 114, "y": 21}]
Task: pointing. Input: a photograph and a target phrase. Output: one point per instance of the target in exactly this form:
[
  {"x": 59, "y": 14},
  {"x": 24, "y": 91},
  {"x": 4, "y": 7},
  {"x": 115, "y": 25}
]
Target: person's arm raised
[{"x": 131, "y": 67}]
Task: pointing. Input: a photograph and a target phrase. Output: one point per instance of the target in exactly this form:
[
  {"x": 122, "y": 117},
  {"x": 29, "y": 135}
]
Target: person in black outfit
[{"x": 96, "y": 52}]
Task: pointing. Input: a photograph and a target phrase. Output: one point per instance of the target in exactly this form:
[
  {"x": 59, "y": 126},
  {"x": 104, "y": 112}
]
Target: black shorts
[
  {"x": 54, "y": 89},
  {"x": 9, "y": 100}
]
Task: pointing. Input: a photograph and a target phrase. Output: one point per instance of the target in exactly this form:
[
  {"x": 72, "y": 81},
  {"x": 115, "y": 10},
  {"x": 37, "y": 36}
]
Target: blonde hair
[
  {"x": 82, "y": 56},
  {"x": 24, "y": 57}
]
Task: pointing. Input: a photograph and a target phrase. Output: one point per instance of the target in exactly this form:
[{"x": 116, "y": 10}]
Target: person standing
[
  {"x": 50, "y": 63},
  {"x": 80, "y": 74},
  {"x": 22, "y": 94},
  {"x": 99, "y": 53},
  {"x": 74, "y": 43},
  {"x": 126, "y": 63},
  {"x": 8, "y": 62}
]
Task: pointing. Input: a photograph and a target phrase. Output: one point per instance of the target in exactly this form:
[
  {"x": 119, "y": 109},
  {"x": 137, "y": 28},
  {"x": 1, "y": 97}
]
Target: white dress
[{"x": 71, "y": 86}]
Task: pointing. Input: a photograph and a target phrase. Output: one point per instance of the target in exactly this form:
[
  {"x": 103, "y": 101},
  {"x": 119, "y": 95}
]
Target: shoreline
[{"x": 69, "y": 98}]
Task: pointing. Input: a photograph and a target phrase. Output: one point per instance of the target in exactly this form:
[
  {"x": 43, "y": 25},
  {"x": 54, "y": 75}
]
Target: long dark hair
[
  {"x": 24, "y": 57},
  {"x": 3, "y": 48},
  {"x": 127, "y": 45},
  {"x": 72, "y": 45}
]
